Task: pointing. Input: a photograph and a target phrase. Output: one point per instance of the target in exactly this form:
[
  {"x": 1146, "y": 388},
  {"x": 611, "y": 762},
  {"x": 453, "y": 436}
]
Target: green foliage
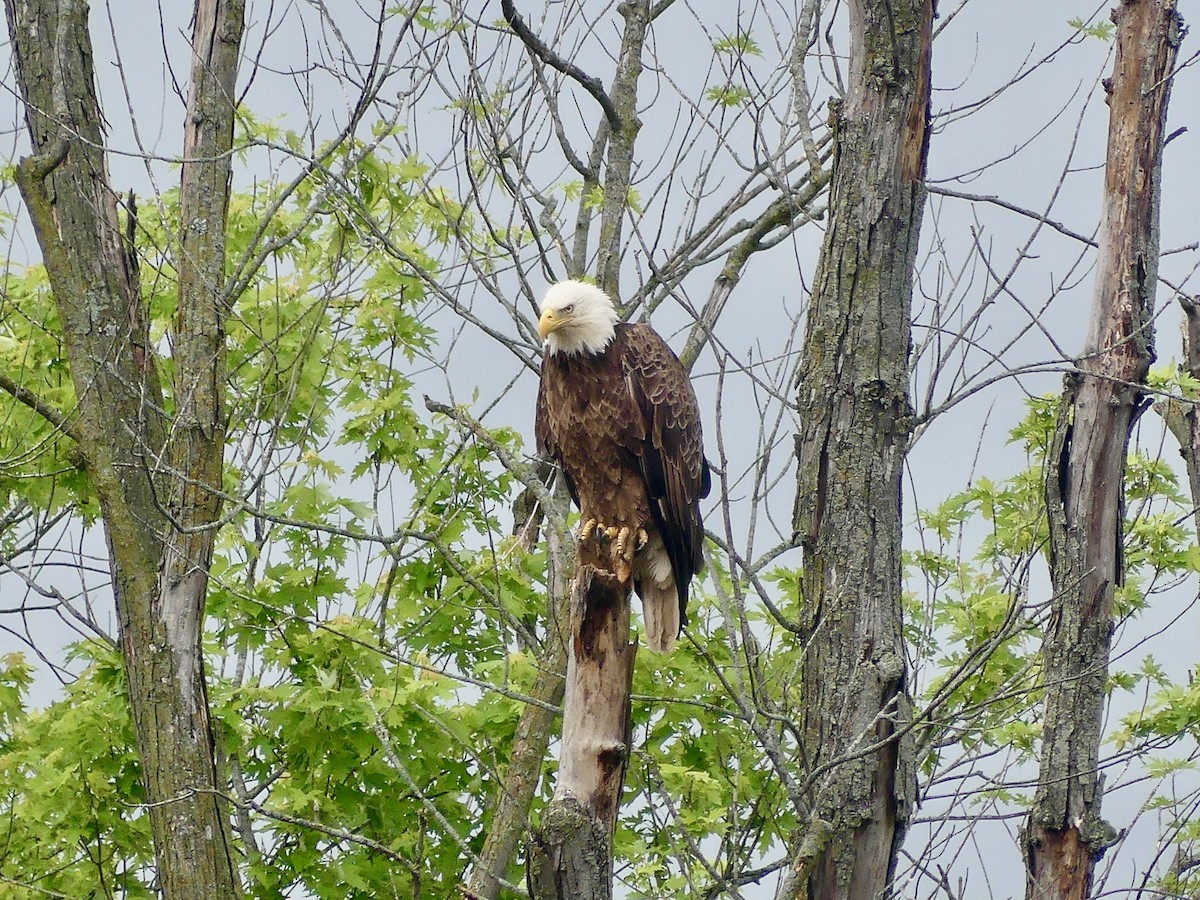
[
  {"x": 325, "y": 641},
  {"x": 697, "y": 768},
  {"x": 734, "y": 51},
  {"x": 740, "y": 44},
  {"x": 1102, "y": 30},
  {"x": 1173, "y": 381},
  {"x": 969, "y": 616},
  {"x": 965, "y": 615},
  {"x": 70, "y": 786},
  {"x": 727, "y": 95},
  {"x": 309, "y": 730},
  {"x": 37, "y": 468}
]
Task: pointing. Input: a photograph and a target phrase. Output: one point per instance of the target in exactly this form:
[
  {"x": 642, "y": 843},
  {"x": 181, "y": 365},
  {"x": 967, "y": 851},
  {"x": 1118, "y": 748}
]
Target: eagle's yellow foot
[
  {"x": 622, "y": 549},
  {"x": 593, "y": 528},
  {"x": 623, "y": 543},
  {"x": 629, "y": 542},
  {"x": 586, "y": 531}
]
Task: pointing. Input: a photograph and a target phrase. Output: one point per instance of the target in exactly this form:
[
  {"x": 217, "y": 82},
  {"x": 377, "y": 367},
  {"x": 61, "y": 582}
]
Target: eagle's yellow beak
[{"x": 550, "y": 321}]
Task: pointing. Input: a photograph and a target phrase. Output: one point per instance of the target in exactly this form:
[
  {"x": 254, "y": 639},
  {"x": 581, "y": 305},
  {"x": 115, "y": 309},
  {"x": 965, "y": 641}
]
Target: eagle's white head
[{"x": 576, "y": 318}]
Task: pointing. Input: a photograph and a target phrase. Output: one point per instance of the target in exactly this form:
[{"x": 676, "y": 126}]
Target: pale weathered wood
[
  {"x": 123, "y": 435},
  {"x": 574, "y": 844},
  {"x": 852, "y": 394},
  {"x": 1065, "y": 834}
]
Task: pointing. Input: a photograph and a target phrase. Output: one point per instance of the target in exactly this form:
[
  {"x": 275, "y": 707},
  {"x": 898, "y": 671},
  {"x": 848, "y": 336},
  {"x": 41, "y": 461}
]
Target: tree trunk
[
  {"x": 159, "y": 572},
  {"x": 618, "y": 173},
  {"x": 853, "y": 401},
  {"x": 571, "y": 856},
  {"x": 1065, "y": 834}
]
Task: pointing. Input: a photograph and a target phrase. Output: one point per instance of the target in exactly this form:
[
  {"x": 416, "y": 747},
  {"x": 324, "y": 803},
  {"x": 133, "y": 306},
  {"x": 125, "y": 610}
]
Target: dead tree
[
  {"x": 570, "y": 858},
  {"x": 1085, "y": 469}
]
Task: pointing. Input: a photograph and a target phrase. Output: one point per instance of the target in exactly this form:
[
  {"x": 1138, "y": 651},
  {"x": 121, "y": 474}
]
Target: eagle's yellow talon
[
  {"x": 611, "y": 532},
  {"x": 623, "y": 543},
  {"x": 586, "y": 531},
  {"x": 642, "y": 539}
]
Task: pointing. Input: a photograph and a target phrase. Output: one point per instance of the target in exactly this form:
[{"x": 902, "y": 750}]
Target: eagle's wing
[
  {"x": 672, "y": 450},
  {"x": 547, "y": 440}
]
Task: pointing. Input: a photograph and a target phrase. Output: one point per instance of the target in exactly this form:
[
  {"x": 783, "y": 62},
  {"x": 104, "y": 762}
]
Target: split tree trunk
[
  {"x": 853, "y": 401},
  {"x": 136, "y": 459},
  {"x": 571, "y": 856},
  {"x": 1085, "y": 468}
]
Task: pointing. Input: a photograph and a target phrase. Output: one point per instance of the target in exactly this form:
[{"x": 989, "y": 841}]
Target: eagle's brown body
[{"x": 624, "y": 426}]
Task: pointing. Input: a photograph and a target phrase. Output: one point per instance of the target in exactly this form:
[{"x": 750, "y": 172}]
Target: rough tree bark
[
  {"x": 149, "y": 473},
  {"x": 622, "y": 137},
  {"x": 571, "y": 856},
  {"x": 856, "y": 423},
  {"x": 1065, "y": 833}
]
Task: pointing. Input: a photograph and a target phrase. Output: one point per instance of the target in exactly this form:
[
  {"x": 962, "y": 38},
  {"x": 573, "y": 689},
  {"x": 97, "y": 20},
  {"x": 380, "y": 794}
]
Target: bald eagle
[{"x": 617, "y": 413}]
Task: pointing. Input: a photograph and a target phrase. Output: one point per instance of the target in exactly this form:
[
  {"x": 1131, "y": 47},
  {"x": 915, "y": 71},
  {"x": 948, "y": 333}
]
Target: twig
[
  {"x": 552, "y": 59},
  {"x": 38, "y": 404}
]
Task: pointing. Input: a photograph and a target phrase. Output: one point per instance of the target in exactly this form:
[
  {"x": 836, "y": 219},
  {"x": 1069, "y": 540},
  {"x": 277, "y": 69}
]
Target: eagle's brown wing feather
[
  {"x": 672, "y": 452},
  {"x": 623, "y": 419},
  {"x": 547, "y": 440}
]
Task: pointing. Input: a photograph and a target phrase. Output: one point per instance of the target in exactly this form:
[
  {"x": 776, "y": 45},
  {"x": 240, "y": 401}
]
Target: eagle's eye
[{"x": 567, "y": 310}]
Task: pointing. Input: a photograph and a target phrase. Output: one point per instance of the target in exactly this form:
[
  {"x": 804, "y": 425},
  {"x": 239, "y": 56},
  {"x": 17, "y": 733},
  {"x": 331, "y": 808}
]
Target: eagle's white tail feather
[
  {"x": 660, "y": 600},
  {"x": 660, "y": 611}
]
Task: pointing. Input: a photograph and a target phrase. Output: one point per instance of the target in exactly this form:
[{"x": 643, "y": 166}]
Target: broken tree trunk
[
  {"x": 856, "y": 423},
  {"x": 570, "y": 858},
  {"x": 1085, "y": 467}
]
